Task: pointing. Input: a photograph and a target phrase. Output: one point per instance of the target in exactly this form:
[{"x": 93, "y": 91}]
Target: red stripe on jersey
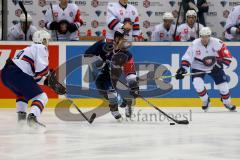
[
  {"x": 136, "y": 27},
  {"x": 30, "y": 61},
  {"x": 113, "y": 24},
  {"x": 129, "y": 67},
  {"x": 78, "y": 17},
  {"x": 185, "y": 63},
  {"x": 43, "y": 72}
]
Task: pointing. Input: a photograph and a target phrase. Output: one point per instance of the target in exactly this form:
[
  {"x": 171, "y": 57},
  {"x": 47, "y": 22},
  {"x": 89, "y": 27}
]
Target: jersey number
[{"x": 19, "y": 54}]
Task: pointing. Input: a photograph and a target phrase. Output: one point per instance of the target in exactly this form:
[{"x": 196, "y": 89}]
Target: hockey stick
[
  {"x": 176, "y": 26},
  {"x": 89, "y": 120},
  {"x": 172, "y": 76},
  {"x": 53, "y": 20},
  {"x": 165, "y": 114},
  {"x": 26, "y": 20}
]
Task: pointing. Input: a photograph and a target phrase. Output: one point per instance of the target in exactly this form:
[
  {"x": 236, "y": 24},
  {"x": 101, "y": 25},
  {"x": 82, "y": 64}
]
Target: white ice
[{"x": 213, "y": 136}]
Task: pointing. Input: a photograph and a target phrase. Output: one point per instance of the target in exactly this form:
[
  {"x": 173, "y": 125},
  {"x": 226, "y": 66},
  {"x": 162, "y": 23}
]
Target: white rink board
[{"x": 213, "y": 135}]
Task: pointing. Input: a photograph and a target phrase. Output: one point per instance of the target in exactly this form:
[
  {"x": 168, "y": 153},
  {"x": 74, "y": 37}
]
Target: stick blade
[
  {"x": 92, "y": 118},
  {"x": 186, "y": 122}
]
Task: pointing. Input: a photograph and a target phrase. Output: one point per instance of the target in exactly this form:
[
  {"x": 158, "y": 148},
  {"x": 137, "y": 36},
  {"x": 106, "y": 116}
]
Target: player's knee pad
[
  {"x": 198, "y": 84},
  {"x": 113, "y": 98},
  {"x": 223, "y": 88},
  {"x": 43, "y": 98}
]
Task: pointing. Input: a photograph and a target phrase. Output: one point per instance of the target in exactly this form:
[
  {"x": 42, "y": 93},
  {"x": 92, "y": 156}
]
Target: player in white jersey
[
  {"x": 189, "y": 30},
  {"x": 124, "y": 18},
  {"x": 24, "y": 72},
  {"x": 165, "y": 30},
  {"x": 232, "y": 27},
  {"x": 17, "y": 32},
  {"x": 209, "y": 55},
  {"x": 64, "y": 21}
]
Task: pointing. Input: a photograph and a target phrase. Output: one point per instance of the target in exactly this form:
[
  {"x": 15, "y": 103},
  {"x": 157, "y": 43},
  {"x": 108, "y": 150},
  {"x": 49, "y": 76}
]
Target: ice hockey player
[
  {"x": 17, "y": 32},
  {"x": 66, "y": 22},
  {"x": 232, "y": 27},
  {"x": 123, "y": 17},
  {"x": 164, "y": 31},
  {"x": 189, "y": 30},
  {"x": 208, "y": 54},
  {"x": 25, "y": 72},
  {"x": 111, "y": 60}
]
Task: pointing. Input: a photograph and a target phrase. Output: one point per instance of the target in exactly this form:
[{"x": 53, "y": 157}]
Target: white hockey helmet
[
  {"x": 40, "y": 36},
  {"x": 23, "y": 18},
  {"x": 205, "y": 31},
  {"x": 191, "y": 13},
  {"x": 168, "y": 16}
]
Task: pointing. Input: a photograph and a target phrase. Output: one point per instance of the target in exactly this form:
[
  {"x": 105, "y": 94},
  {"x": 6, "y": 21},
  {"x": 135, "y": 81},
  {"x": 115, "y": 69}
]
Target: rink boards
[{"x": 168, "y": 54}]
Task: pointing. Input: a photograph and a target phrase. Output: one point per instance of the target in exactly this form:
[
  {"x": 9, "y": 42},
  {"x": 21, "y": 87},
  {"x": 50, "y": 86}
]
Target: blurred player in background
[
  {"x": 164, "y": 31},
  {"x": 123, "y": 18},
  {"x": 189, "y": 30},
  {"x": 208, "y": 54},
  {"x": 16, "y": 32},
  {"x": 232, "y": 27},
  {"x": 24, "y": 73},
  {"x": 64, "y": 21},
  {"x": 110, "y": 61}
]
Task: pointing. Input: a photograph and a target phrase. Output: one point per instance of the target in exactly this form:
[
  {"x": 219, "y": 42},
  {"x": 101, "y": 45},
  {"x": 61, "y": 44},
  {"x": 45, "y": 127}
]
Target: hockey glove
[
  {"x": 53, "y": 83},
  {"x": 54, "y": 25},
  {"x": 134, "y": 88},
  {"x": 72, "y": 27},
  {"x": 180, "y": 73}
]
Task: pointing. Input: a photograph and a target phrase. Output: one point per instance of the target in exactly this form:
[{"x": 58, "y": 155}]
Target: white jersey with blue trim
[
  {"x": 196, "y": 53},
  {"x": 116, "y": 14},
  {"x": 160, "y": 33},
  {"x": 16, "y": 33},
  {"x": 232, "y": 24},
  {"x": 33, "y": 60}
]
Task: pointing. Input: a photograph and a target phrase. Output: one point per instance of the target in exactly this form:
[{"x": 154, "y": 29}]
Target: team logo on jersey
[
  {"x": 121, "y": 12},
  {"x": 226, "y": 13},
  {"x": 55, "y": 14},
  {"x": 98, "y": 33},
  {"x": 149, "y": 13},
  {"x": 18, "y": 12},
  {"x": 198, "y": 52},
  {"x": 41, "y": 23},
  {"x": 42, "y": 3},
  {"x": 95, "y": 3},
  {"x": 172, "y": 3},
  {"x": 146, "y": 3},
  {"x": 146, "y": 24},
  {"x": 98, "y": 13},
  {"x": 71, "y": 14},
  {"x": 94, "y": 24},
  {"x": 223, "y": 3},
  {"x": 185, "y": 31},
  {"x": 223, "y": 23},
  {"x": 161, "y": 35}
]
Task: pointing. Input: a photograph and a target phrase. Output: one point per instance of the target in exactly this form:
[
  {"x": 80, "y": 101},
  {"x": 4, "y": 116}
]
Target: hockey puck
[{"x": 172, "y": 123}]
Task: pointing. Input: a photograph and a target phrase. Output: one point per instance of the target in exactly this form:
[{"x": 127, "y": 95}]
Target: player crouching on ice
[
  {"x": 210, "y": 55},
  {"x": 25, "y": 72},
  {"x": 110, "y": 60}
]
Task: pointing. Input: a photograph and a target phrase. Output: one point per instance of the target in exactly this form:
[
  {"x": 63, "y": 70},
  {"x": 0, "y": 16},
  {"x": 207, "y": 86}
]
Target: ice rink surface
[{"x": 213, "y": 136}]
